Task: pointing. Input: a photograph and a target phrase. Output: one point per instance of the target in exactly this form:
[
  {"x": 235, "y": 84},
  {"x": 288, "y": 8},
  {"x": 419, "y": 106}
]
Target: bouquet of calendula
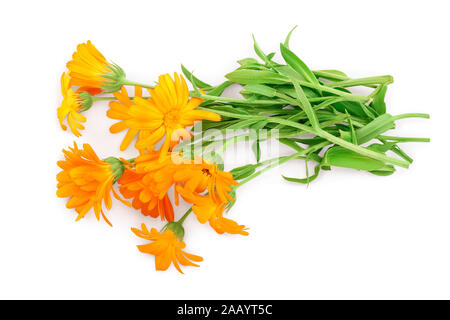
[{"x": 181, "y": 134}]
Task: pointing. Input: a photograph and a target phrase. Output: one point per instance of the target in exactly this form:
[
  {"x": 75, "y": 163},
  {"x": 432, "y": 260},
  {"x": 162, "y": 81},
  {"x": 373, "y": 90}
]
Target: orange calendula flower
[
  {"x": 166, "y": 247},
  {"x": 88, "y": 180},
  {"x": 199, "y": 177},
  {"x": 89, "y": 68},
  {"x": 207, "y": 209},
  {"x": 143, "y": 188},
  {"x": 147, "y": 183},
  {"x": 165, "y": 114}
]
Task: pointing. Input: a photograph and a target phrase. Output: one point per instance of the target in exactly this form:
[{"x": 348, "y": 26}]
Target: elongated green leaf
[
  {"x": 378, "y": 101},
  {"x": 289, "y": 72},
  {"x": 305, "y": 105},
  {"x": 288, "y": 37},
  {"x": 332, "y": 75},
  {"x": 259, "y": 52},
  {"x": 200, "y": 84},
  {"x": 306, "y": 180},
  {"x": 256, "y": 77},
  {"x": 244, "y": 124},
  {"x": 243, "y": 172},
  {"x": 256, "y": 148},
  {"x": 259, "y": 89},
  {"x": 217, "y": 91},
  {"x": 374, "y": 128},
  {"x": 340, "y": 157},
  {"x": 385, "y": 171},
  {"x": 248, "y": 61},
  {"x": 298, "y": 65}
]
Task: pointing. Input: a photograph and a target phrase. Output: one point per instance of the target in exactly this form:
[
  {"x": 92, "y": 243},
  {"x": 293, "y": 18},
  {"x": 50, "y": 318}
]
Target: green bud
[
  {"x": 86, "y": 100},
  {"x": 114, "y": 78},
  {"x": 117, "y": 167},
  {"x": 177, "y": 229}
]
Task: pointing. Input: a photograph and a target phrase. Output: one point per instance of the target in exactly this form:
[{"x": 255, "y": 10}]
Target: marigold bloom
[
  {"x": 199, "y": 177},
  {"x": 166, "y": 248},
  {"x": 146, "y": 194},
  {"x": 70, "y": 107},
  {"x": 165, "y": 114},
  {"x": 148, "y": 183},
  {"x": 89, "y": 68},
  {"x": 87, "y": 180},
  {"x": 207, "y": 209}
]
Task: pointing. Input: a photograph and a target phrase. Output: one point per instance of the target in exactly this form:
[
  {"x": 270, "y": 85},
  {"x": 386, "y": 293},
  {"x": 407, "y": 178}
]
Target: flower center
[
  {"x": 172, "y": 118},
  {"x": 206, "y": 172}
]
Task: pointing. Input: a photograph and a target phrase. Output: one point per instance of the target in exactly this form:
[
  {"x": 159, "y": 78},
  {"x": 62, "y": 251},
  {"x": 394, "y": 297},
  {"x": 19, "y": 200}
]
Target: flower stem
[
  {"x": 133, "y": 83},
  {"x": 185, "y": 216}
]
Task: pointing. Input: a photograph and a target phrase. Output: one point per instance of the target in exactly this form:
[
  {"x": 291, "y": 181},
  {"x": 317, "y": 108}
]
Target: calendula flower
[
  {"x": 88, "y": 180},
  {"x": 146, "y": 194},
  {"x": 147, "y": 183},
  {"x": 208, "y": 210},
  {"x": 204, "y": 176},
  {"x": 166, "y": 113},
  {"x": 73, "y": 104},
  {"x": 166, "y": 247},
  {"x": 89, "y": 68}
]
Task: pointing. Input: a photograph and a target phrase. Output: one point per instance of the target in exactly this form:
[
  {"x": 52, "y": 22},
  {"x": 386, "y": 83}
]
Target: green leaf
[
  {"x": 217, "y": 91},
  {"x": 200, "y": 84},
  {"x": 270, "y": 55},
  {"x": 332, "y": 75},
  {"x": 354, "y": 108},
  {"x": 305, "y": 105},
  {"x": 243, "y": 124},
  {"x": 256, "y": 77},
  {"x": 248, "y": 61},
  {"x": 374, "y": 128},
  {"x": 298, "y": 65},
  {"x": 256, "y": 150},
  {"x": 288, "y": 37},
  {"x": 243, "y": 172},
  {"x": 289, "y": 72},
  {"x": 340, "y": 157},
  {"x": 259, "y": 52},
  {"x": 385, "y": 171},
  {"x": 378, "y": 100},
  {"x": 306, "y": 180},
  {"x": 259, "y": 89}
]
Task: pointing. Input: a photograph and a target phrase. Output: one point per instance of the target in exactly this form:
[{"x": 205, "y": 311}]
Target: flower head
[
  {"x": 166, "y": 247},
  {"x": 205, "y": 176},
  {"x": 148, "y": 183},
  {"x": 89, "y": 68},
  {"x": 73, "y": 104},
  {"x": 208, "y": 210},
  {"x": 88, "y": 180},
  {"x": 166, "y": 113}
]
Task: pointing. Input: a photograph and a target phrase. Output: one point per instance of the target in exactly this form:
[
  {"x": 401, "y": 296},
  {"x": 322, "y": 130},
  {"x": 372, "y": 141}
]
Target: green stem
[
  {"x": 133, "y": 83},
  {"x": 404, "y": 139},
  {"x": 411, "y": 115},
  {"x": 322, "y": 133},
  {"x": 283, "y": 160},
  {"x": 361, "y": 81},
  {"x": 185, "y": 216}
]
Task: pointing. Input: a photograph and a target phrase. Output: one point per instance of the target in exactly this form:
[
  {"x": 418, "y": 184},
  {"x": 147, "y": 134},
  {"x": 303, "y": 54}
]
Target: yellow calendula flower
[
  {"x": 166, "y": 113},
  {"x": 88, "y": 180},
  {"x": 73, "y": 104},
  {"x": 89, "y": 68},
  {"x": 166, "y": 247}
]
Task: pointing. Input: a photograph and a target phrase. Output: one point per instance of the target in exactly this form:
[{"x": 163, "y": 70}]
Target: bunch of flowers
[{"x": 289, "y": 100}]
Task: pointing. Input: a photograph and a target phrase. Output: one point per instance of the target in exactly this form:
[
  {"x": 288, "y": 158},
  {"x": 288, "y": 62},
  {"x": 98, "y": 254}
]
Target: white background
[{"x": 348, "y": 235}]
